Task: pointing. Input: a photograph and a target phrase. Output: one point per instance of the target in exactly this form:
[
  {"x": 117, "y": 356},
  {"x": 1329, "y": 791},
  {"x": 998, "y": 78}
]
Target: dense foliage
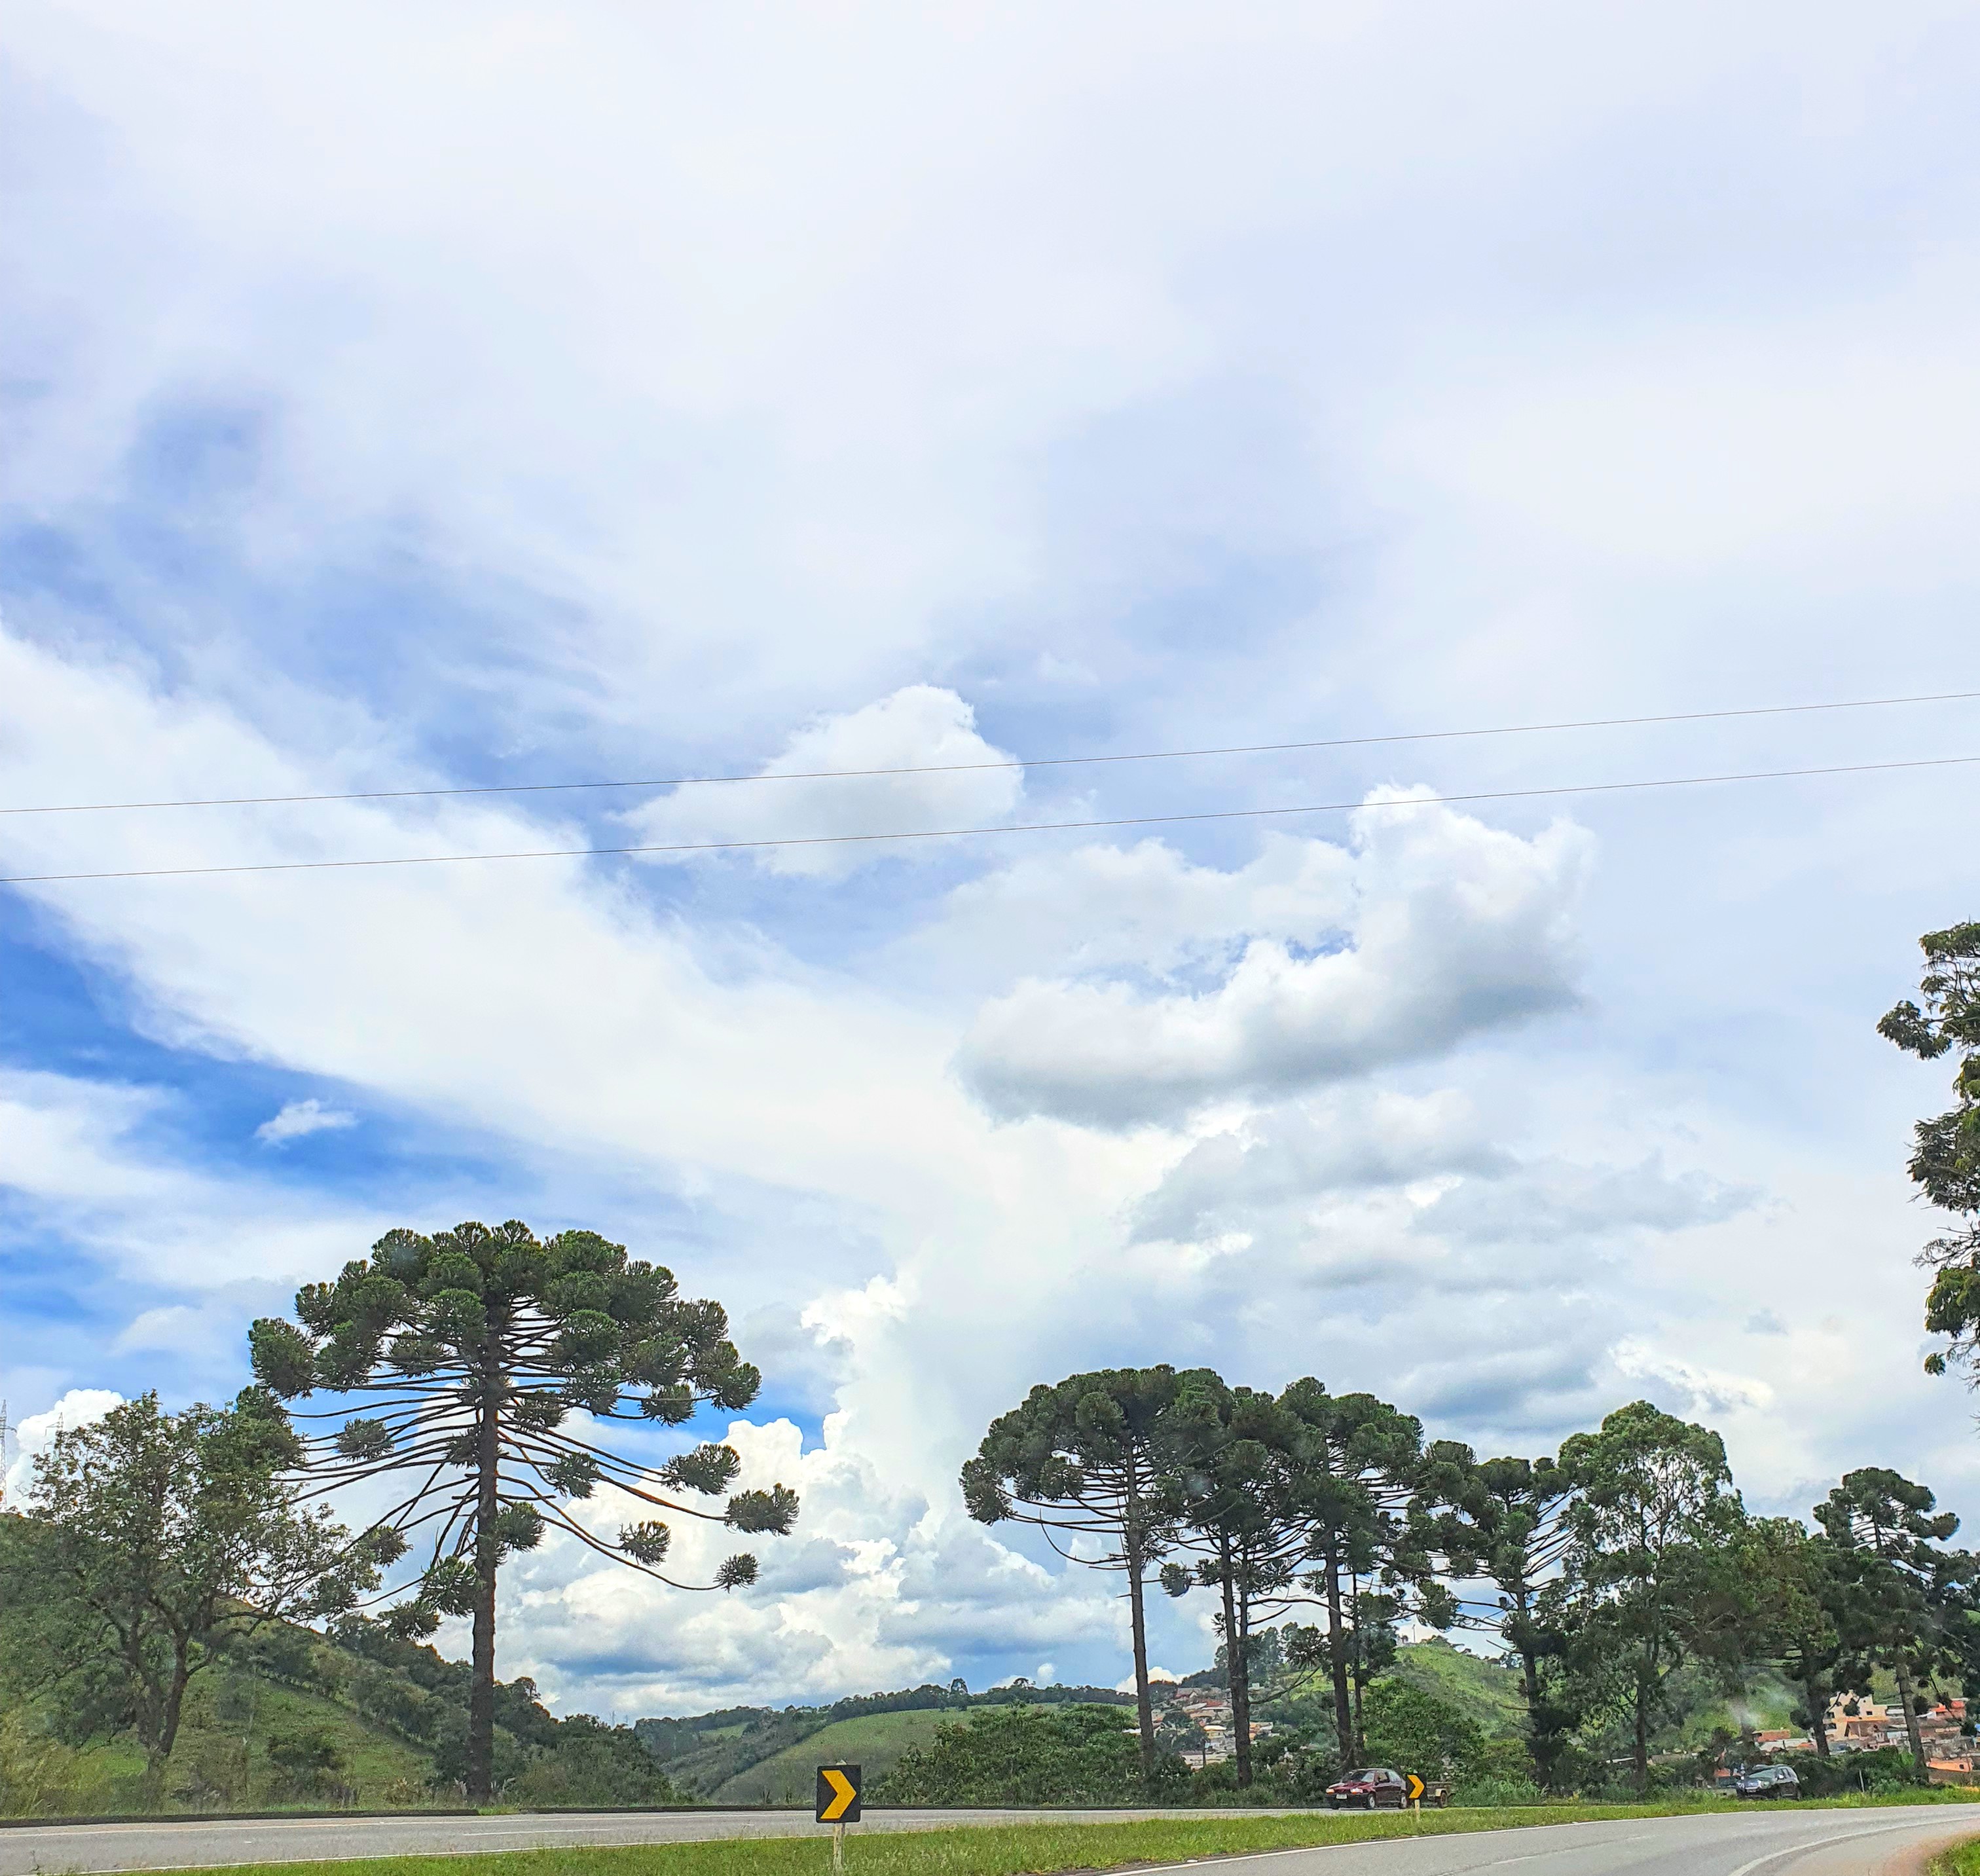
[
  {"x": 1021, "y": 1755},
  {"x": 153, "y": 1542}
]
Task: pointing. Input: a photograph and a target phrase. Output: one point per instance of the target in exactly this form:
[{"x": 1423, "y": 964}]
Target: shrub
[
  {"x": 1021, "y": 1755},
  {"x": 307, "y": 1761}
]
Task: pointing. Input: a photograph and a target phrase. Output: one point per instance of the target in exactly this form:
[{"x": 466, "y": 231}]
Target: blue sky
[{"x": 501, "y": 394}]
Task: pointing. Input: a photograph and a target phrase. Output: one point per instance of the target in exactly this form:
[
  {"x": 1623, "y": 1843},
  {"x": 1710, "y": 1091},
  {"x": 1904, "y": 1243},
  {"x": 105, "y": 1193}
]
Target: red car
[{"x": 1365, "y": 1790}]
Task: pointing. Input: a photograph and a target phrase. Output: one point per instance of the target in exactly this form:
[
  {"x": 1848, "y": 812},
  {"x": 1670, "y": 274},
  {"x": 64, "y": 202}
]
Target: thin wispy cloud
[{"x": 298, "y": 1119}]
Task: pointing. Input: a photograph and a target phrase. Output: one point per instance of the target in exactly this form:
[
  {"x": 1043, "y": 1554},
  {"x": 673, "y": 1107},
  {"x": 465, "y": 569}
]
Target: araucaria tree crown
[
  {"x": 474, "y": 1348},
  {"x": 1946, "y": 1155}
]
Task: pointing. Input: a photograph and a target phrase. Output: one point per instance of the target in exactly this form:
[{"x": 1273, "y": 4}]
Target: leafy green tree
[
  {"x": 1649, "y": 1577},
  {"x": 1946, "y": 1155},
  {"x": 1091, "y": 1458},
  {"x": 1020, "y": 1755},
  {"x": 1887, "y": 1534},
  {"x": 166, "y": 1539},
  {"x": 1505, "y": 1519},
  {"x": 475, "y": 1348},
  {"x": 1410, "y": 1729},
  {"x": 590, "y": 1763},
  {"x": 1358, "y": 1464},
  {"x": 1800, "y": 1605}
]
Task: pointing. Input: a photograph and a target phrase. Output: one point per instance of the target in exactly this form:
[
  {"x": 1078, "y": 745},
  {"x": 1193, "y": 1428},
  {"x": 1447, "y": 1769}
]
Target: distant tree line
[{"x": 1602, "y": 1570}]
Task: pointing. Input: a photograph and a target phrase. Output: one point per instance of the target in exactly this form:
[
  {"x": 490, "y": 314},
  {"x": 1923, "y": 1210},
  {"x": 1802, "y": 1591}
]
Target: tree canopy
[
  {"x": 1091, "y": 1457},
  {"x": 1945, "y": 1154}
]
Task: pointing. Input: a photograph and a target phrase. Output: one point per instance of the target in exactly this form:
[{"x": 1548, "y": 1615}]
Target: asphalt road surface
[{"x": 1888, "y": 1842}]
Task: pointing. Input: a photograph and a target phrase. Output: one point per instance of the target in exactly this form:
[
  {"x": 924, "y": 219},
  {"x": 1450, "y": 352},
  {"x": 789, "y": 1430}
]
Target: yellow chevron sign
[
  {"x": 1416, "y": 1786},
  {"x": 838, "y": 1794}
]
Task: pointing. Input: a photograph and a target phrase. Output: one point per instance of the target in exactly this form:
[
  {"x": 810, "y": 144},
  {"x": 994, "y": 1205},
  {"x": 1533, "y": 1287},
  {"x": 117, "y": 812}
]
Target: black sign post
[{"x": 838, "y": 1804}]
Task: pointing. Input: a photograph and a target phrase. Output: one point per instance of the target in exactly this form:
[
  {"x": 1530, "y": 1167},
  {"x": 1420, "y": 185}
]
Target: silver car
[{"x": 1768, "y": 1782}]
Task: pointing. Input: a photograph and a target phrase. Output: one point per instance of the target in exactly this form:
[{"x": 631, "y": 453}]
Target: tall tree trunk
[
  {"x": 1905, "y": 1693},
  {"x": 159, "y": 1754},
  {"x": 1817, "y": 1713},
  {"x": 481, "y": 1689},
  {"x": 1640, "y": 1756},
  {"x": 1235, "y": 1664},
  {"x": 1336, "y": 1661},
  {"x": 1144, "y": 1705},
  {"x": 1240, "y": 1687}
]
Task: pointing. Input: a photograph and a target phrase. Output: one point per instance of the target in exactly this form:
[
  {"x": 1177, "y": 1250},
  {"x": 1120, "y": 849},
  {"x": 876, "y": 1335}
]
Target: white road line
[{"x": 1824, "y": 1843}]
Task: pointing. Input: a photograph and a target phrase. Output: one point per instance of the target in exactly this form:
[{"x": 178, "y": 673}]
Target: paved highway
[{"x": 1892, "y": 1842}]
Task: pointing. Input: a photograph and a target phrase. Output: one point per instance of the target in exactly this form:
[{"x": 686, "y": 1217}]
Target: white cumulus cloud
[
  {"x": 80, "y": 1406},
  {"x": 1454, "y": 928},
  {"x": 919, "y": 727}
]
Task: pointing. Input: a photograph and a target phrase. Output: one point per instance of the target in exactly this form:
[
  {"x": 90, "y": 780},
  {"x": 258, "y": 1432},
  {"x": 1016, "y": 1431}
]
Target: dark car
[
  {"x": 1365, "y": 1790},
  {"x": 1768, "y": 1782}
]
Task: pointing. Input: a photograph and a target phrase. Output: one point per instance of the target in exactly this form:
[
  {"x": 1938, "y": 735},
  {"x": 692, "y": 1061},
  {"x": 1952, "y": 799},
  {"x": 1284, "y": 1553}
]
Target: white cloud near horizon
[{"x": 34, "y": 1433}]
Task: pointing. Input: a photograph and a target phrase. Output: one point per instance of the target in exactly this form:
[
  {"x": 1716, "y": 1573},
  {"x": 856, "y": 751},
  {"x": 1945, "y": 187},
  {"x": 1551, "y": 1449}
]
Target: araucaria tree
[
  {"x": 1505, "y": 1519},
  {"x": 1945, "y": 1156},
  {"x": 1358, "y": 1461},
  {"x": 1888, "y": 1535},
  {"x": 159, "y": 1539},
  {"x": 1087, "y": 1463},
  {"x": 473, "y": 1348},
  {"x": 1237, "y": 1453}
]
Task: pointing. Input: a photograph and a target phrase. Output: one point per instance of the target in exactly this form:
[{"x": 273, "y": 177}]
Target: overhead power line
[
  {"x": 1037, "y": 761},
  {"x": 1031, "y": 827}
]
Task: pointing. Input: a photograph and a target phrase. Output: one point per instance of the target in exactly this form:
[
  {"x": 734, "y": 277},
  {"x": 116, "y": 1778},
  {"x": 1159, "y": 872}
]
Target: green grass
[
  {"x": 1963, "y": 1862},
  {"x": 1015, "y": 1850},
  {"x": 381, "y": 1770},
  {"x": 873, "y": 1742}
]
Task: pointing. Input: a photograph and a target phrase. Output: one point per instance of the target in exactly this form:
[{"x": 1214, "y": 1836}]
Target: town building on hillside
[
  {"x": 1209, "y": 1709},
  {"x": 1872, "y": 1724}
]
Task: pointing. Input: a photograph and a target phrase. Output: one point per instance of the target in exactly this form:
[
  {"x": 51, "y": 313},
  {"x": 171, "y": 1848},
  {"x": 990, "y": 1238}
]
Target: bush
[
  {"x": 307, "y": 1761},
  {"x": 1021, "y": 1755},
  {"x": 1886, "y": 1770},
  {"x": 38, "y": 1775},
  {"x": 591, "y": 1764}
]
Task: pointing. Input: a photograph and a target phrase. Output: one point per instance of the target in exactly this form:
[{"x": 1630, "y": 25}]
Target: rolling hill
[{"x": 875, "y": 1742}]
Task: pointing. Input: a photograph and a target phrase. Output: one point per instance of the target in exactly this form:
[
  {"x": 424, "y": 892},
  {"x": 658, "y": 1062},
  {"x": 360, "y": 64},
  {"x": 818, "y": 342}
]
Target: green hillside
[
  {"x": 295, "y": 1718},
  {"x": 874, "y": 1741},
  {"x": 1486, "y": 1693}
]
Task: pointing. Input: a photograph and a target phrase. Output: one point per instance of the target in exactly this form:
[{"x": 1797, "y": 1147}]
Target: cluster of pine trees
[{"x": 1603, "y": 1571}]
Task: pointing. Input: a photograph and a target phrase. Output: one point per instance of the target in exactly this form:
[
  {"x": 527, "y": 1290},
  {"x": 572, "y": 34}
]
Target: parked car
[
  {"x": 1768, "y": 1782},
  {"x": 1367, "y": 1789}
]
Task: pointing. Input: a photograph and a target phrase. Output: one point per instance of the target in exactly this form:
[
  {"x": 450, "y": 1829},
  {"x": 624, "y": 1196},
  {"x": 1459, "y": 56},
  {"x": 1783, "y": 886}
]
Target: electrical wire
[
  {"x": 1033, "y": 826},
  {"x": 1042, "y": 762}
]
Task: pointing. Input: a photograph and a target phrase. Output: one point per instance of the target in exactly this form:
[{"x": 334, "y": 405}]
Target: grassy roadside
[
  {"x": 1016, "y": 1849},
  {"x": 1963, "y": 1862}
]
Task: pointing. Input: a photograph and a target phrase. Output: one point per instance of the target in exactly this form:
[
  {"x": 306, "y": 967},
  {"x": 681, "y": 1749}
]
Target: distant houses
[
  {"x": 1209, "y": 1710},
  {"x": 1856, "y": 1723}
]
